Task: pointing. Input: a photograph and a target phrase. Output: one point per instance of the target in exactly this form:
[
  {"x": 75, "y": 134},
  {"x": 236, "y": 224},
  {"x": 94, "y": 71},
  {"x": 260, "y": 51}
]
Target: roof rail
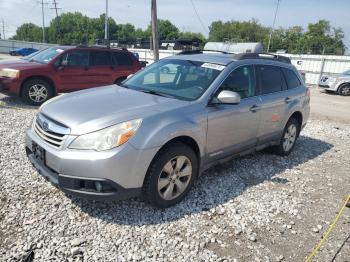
[
  {"x": 267, "y": 56},
  {"x": 194, "y": 52}
]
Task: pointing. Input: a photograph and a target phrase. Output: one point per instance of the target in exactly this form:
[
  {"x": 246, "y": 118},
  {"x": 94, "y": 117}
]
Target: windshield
[
  {"x": 44, "y": 57},
  {"x": 28, "y": 57},
  {"x": 347, "y": 72},
  {"x": 181, "y": 79}
]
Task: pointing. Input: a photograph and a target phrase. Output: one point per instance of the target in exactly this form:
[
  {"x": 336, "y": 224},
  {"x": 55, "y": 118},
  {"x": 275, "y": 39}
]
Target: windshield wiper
[{"x": 153, "y": 92}]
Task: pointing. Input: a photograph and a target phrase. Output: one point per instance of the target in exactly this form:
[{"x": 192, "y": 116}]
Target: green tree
[
  {"x": 166, "y": 30},
  {"x": 28, "y": 32}
]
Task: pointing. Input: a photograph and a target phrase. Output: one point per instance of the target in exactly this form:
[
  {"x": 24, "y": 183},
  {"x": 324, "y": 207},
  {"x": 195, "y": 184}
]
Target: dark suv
[{"x": 65, "y": 69}]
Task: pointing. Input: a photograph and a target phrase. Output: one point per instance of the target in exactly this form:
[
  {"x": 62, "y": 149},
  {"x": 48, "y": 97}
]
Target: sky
[{"x": 182, "y": 14}]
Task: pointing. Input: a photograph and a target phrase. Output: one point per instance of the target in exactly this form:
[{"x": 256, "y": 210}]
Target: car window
[
  {"x": 291, "y": 78},
  {"x": 271, "y": 79},
  {"x": 122, "y": 58},
  {"x": 75, "y": 59},
  {"x": 241, "y": 81},
  {"x": 101, "y": 58},
  {"x": 182, "y": 79},
  {"x": 45, "y": 56}
]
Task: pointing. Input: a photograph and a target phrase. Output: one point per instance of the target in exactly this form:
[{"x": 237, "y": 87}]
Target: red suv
[{"x": 65, "y": 69}]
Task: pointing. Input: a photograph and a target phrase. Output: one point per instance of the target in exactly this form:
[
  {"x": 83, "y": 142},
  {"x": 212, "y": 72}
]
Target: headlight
[
  {"x": 107, "y": 138},
  {"x": 8, "y": 72}
]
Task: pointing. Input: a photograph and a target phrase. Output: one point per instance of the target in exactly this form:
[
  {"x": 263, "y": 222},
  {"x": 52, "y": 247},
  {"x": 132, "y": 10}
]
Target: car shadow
[
  {"x": 214, "y": 187},
  {"x": 14, "y": 103}
]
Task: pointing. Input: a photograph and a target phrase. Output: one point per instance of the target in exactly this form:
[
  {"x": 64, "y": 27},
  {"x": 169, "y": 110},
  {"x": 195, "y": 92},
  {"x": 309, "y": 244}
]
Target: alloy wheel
[
  {"x": 289, "y": 137},
  {"x": 174, "y": 177},
  {"x": 38, "y": 93}
]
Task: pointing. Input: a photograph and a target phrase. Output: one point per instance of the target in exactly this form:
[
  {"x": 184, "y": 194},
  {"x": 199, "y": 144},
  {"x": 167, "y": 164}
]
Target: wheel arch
[
  {"x": 299, "y": 117},
  {"x": 45, "y": 78}
]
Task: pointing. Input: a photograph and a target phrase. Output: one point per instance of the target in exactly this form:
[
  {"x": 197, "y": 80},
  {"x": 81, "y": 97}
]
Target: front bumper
[
  {"x": 332, "y": 87},
  {"x": 120, "y": 171},
  {"x": 9, "y": 86}
]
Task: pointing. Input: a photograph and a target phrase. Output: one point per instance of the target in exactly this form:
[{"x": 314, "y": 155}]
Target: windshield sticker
[
  {"x": 213, "y": 66},
  {"x": 59, "y": 50}
]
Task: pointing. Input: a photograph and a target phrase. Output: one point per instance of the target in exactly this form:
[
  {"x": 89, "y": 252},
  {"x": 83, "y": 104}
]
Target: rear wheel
[
  {"x": 288, "y": 139},
  {"x": 344, "y": 90},
  {"x": 37, "y": 91},
  {"x": 171, "y": 175}
]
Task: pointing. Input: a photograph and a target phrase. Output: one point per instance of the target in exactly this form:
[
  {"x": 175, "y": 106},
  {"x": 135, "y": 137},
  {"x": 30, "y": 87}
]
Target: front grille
[{"x": 52, "y": 138}]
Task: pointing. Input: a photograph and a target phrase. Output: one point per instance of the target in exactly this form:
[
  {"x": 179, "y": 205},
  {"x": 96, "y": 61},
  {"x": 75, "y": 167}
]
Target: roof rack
[{"x": 266, "y": 56}]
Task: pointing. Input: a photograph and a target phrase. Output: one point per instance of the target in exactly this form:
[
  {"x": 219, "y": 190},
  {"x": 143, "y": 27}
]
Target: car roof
[{"x": 215, "y": 58}]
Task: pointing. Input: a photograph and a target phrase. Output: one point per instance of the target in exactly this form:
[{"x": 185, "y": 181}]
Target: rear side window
[
  {"x": 103, "y": 58},
  {"x": 271, "y": 79},
  {"x": 292, "y": 79},
  {"x": 122, "y": 58}
]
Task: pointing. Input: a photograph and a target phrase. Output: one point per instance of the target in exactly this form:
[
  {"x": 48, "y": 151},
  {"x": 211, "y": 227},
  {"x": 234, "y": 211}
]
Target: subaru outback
[{"x": 156, "y": 132}]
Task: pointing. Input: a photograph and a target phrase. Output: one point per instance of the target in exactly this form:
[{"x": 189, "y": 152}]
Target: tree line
[{"x": 76, "y": 28}]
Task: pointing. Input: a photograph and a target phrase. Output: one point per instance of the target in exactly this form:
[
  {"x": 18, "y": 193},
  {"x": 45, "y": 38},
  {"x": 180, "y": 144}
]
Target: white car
[{"x": 339, "y": 83}]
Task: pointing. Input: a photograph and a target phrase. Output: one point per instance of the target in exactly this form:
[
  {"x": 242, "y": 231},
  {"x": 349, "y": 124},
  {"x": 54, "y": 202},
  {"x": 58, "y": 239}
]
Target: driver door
[
  {"x": 233, "y": 128},
  {"x": 73, "y": 71}
]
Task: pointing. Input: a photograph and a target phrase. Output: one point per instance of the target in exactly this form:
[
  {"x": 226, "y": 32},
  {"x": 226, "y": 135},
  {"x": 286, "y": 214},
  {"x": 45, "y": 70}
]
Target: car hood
[
  {"x": 19, "y": 64},
  {"x": 93, "y": 109}
]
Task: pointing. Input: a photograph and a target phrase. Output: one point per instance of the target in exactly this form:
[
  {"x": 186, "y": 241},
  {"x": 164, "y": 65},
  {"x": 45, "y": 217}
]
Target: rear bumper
[{"x": 82, "y": 186}]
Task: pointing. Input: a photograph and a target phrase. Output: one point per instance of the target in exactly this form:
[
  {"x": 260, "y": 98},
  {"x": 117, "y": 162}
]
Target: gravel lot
[{"x": 258, "y": 208}]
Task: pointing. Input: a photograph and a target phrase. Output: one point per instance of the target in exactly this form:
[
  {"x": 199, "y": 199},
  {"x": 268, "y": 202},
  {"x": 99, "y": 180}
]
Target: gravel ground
[{"x": 258, "y": 208}]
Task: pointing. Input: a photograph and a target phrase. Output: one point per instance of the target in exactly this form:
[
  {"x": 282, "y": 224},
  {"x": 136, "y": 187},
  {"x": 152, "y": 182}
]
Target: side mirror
[{"x": 227, "y": 97}]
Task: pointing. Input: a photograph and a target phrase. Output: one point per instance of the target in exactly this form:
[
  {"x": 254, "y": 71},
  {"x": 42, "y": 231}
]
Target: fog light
[{"x": 98, "y": 186}]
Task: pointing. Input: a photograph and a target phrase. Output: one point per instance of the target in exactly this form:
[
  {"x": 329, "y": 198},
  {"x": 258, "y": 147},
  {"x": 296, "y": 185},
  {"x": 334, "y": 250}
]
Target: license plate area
[{"x": 39, "y": 153}]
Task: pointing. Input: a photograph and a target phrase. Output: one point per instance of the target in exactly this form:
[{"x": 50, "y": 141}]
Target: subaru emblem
[{"x": 46, "y": 126}]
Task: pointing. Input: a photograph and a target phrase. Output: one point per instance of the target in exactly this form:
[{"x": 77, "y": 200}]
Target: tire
[
  {"x": 344, "y": 90},
  {"x": 290, "y": 133},
  {"x": 37, "y": 91},
  {"x": 165, "y": 184}
]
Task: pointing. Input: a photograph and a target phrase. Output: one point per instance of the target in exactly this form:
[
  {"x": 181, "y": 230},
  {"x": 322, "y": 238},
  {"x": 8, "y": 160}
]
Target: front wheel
[
  {"x": 37, "y": 91},
  {"x": 288, "y": 139},
  {"x": 171, "y": 175},
  {"x": 344, "y": 90}
]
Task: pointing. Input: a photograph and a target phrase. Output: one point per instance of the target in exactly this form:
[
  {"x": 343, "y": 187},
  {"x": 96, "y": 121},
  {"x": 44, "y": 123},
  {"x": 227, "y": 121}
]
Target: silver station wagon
[{"x": 155, "y": 133}]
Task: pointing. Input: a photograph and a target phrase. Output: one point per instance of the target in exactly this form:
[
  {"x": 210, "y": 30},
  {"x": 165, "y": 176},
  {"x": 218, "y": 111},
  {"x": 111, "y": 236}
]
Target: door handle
[
  {"x": 288, "y": 100},
  {"x": 254, "y": 108}
]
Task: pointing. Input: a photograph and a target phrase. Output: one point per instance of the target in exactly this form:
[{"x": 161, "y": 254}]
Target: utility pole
[
  {"x": 3, "y": 29},
  {"x": 43, "y": 14},
  {"x": 106, "y": 24},
  {"x": 155, "y": 40},
  {"x": 55, "y": 4},
  {"x": 273, "y": 26}
]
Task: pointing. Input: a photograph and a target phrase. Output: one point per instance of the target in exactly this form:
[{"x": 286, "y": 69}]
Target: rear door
[
  {"x": 101, "y": 69},
  {"x": 72, "y": 71},
  {"x": 124, "y": 64},
  {"x": 272, "y": 90}
]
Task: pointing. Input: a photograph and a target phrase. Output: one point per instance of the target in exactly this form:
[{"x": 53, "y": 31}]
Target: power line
[{"x": 199, "y": 18}]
